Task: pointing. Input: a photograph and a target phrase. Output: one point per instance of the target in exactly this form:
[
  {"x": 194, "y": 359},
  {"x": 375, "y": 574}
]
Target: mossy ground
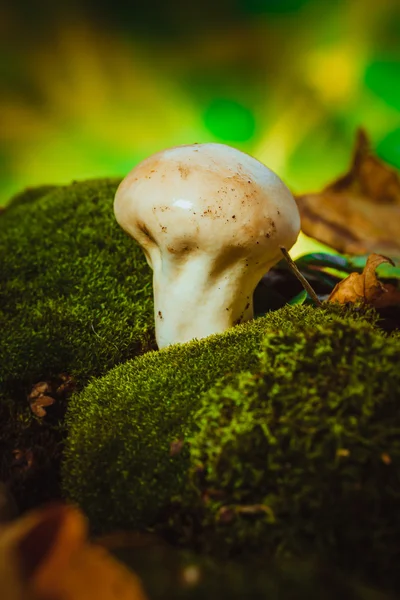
[
  {"x": 133, "y": 414},
  {"x": 231, "y": 447},
  {"x": 75, "y": 299},
  {"x": 294, "y": 451},
  {"x": 302, "y": 455}
]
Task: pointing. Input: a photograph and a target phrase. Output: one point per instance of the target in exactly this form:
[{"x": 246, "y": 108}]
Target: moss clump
[
  {"x": 303, "y": 454},
  {"x": 75, "y": 300},
  {"x": 30, "y": 194},
  {"x": 75, "y": 291},
  {"x": 118, "y": 464}
]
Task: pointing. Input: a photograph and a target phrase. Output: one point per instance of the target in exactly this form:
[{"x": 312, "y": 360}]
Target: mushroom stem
[
  {"x": 210, "y": 220},
  {"x": 206, "y": 306}
]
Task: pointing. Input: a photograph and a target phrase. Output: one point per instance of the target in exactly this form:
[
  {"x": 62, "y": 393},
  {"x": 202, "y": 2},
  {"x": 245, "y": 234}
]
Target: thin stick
[{"x": 299, "y": 276}]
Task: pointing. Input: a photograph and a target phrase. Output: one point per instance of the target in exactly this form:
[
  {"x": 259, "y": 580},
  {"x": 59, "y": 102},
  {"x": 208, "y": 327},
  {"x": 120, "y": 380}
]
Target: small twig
[{"x": 300, "y": 277}]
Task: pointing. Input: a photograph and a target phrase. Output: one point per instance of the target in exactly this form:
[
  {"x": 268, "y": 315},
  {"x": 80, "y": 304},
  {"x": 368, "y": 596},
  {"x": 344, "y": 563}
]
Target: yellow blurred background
[{"x": 90, "y": 88}]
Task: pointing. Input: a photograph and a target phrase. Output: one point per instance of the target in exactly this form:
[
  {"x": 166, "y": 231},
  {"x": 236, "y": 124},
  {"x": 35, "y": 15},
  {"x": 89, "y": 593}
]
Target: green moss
[
  {"x": 303, "y": 454},
  {"x": 118, "y": 465},
  {"x": 75, "y": 291},
  {"x": 29, "y": 195}
]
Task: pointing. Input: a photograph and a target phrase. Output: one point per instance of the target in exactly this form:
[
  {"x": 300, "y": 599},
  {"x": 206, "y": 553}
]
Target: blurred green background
[{"x": 89, "y": 88}]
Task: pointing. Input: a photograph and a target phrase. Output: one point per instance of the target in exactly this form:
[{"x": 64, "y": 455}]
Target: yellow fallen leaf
[
  {"x": 366, "y": 287},
  {"x": 358, "y": 213}
]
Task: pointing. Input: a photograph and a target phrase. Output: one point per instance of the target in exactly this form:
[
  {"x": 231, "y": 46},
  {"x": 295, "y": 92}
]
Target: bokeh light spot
[
  {"x": 383, "y": 78},
  {"x": 333, "y": 73},
  {"x": 229, "y": 120}
]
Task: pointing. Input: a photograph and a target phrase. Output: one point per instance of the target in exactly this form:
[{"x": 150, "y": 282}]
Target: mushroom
[{"x": 210, "y": 220}]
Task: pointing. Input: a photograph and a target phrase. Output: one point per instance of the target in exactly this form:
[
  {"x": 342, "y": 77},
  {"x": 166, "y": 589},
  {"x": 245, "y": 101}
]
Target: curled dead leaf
[
  {"x": 358, "y": 213},
  {"x": 39, "y": 397},
  {"x": 66, "y": 386},
  {"x": 38, "y": 389},
  {"x": 46, "y": 393},
  {"x": 365, "y": 287},
  {"x": 37, "y": 406}
]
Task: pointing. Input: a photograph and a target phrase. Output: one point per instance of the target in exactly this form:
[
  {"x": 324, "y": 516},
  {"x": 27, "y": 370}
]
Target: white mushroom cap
[{"x": 211, "y": 221}]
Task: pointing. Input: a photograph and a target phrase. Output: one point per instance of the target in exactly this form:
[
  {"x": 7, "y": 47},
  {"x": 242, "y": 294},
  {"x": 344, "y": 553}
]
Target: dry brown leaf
[
  {"x": 38, "y": 389},
  {"x": 359, "y": 213},
  {"x": 366, "y": 287},
  {"x": 39, "y": 397},
  {"x": 66, "y": 386},
  {"x": 62, "y": 562},
  {"x": 37, "y": 406}
]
